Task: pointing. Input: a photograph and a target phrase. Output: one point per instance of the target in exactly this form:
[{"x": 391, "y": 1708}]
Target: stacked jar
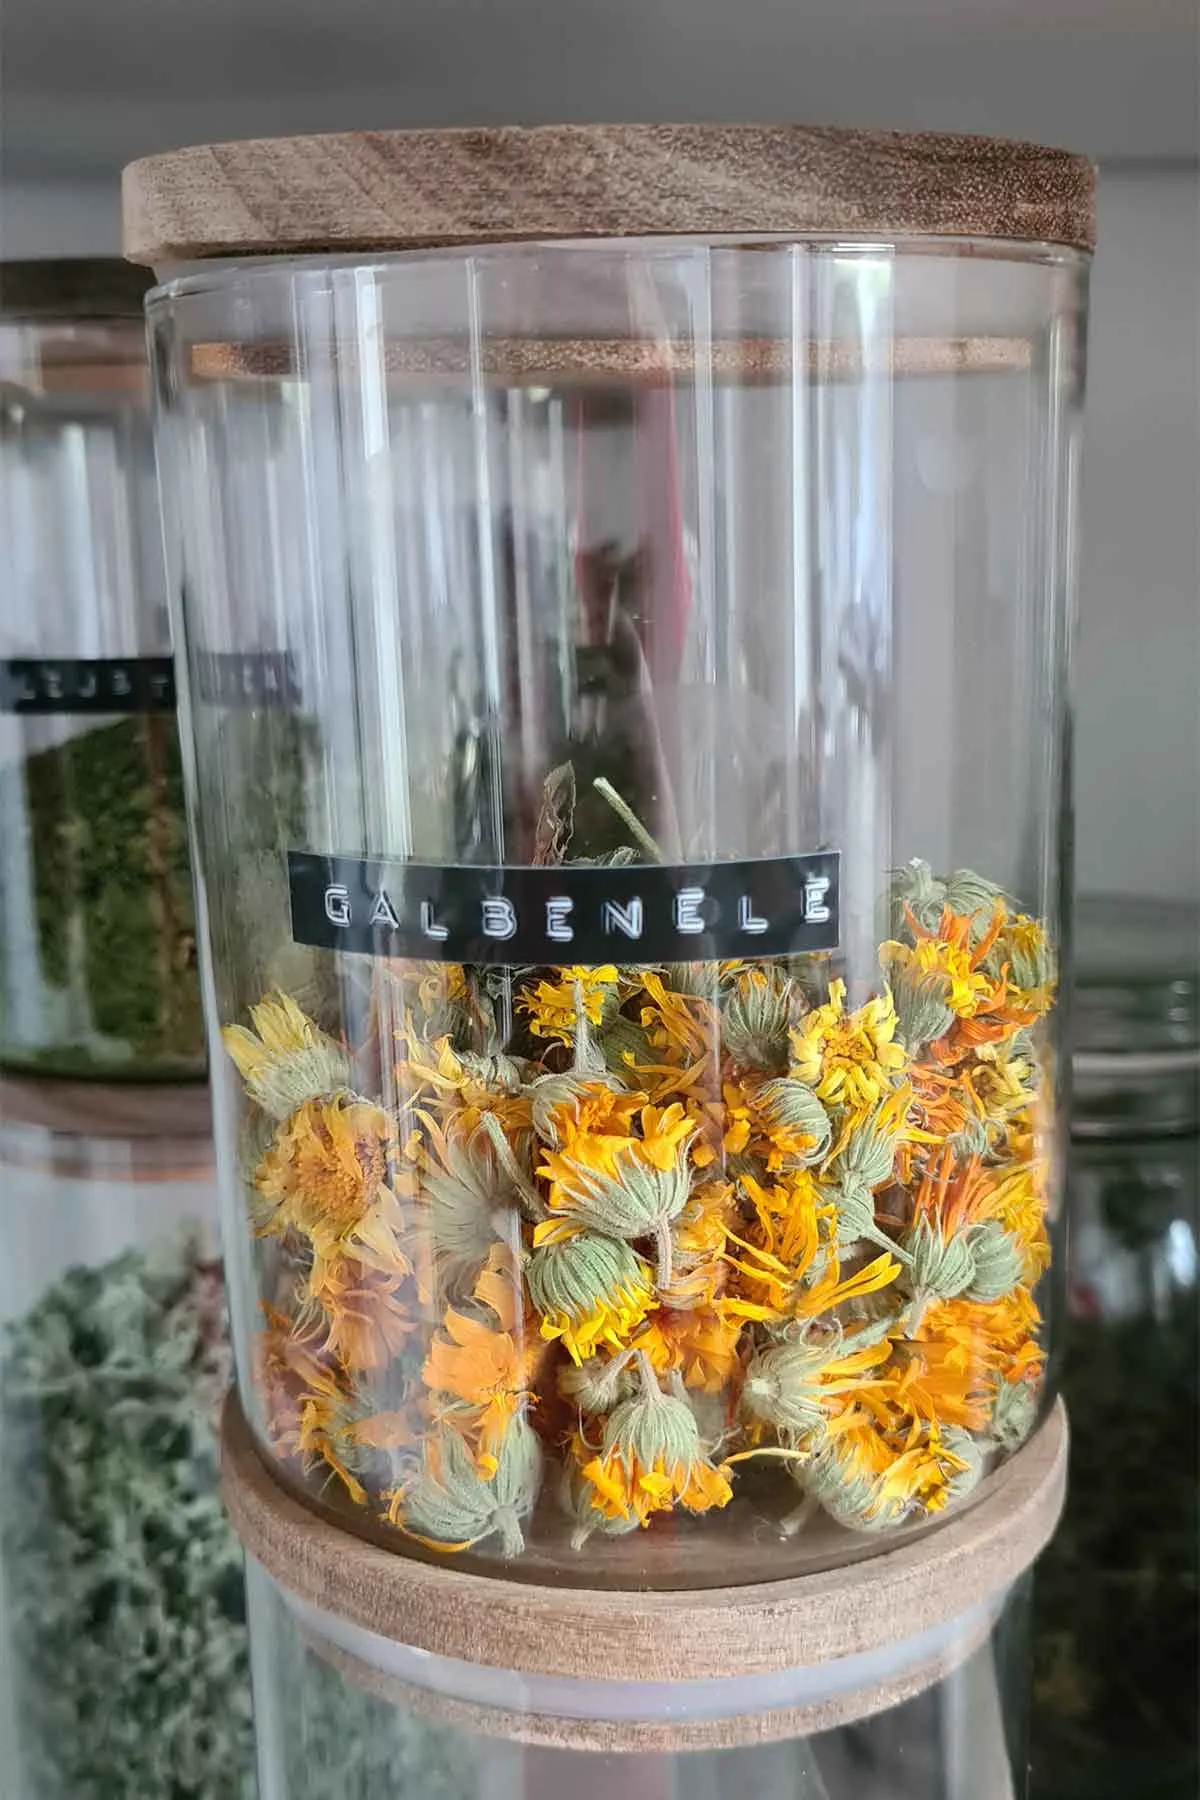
[
  {"x": 122, "y": 1632},
  {"x": 632, "y": 903}
]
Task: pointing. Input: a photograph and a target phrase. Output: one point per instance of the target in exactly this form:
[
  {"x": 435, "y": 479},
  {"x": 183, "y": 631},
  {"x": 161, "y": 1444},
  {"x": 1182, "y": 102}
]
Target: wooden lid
[
  {"x": 72, "y": 287},
  {"x": 676, "y": 1635},
  {"x": 102, "y": 1109},
  {"x": 396, "y": 190},
  {"x": 840, "y": 1703}
]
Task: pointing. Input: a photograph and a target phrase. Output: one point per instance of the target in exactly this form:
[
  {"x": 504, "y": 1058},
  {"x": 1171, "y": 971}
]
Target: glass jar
[
  {"x": 334, "y": 1727},
  {"x": 625, "y": 727},
  {"x": 124, "y": 1667},
  {"x": 1117, "y": 1613},
  {"x": 97, "y": 936}
]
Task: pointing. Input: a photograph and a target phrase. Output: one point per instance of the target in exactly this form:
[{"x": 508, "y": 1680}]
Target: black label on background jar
[
  {"x": 246, "y": 678},
  {"x": 112, "y": 684},
  {"x": 573, "y": 913}
]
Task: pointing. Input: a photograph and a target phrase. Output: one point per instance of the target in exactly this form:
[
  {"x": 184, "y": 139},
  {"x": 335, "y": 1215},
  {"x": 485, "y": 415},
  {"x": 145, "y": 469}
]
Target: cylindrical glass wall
[
  {"x": 123, "y": 1657},
  {"x": 332, "y": 1727},
  {"x": 97, "y": 937},
  {"x": 626, "y": 718}
]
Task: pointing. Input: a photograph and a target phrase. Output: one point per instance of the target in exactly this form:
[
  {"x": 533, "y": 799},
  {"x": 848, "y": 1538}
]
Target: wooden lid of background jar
[
  {"x": 107, "y": 1131},
  {"x": 726, "y": 1714},
  {"x": 396, "y": 190},
  {"x": 507, "y": 1621}
]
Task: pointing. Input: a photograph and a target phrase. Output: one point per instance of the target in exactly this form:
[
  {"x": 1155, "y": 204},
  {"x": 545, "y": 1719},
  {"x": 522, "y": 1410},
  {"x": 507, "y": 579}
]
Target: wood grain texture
[
  {"x": 732, "y": 1731},
  {"x": 671, "y": 1635},
  {"x": 597, "y": 362},
  {"x": 408, "y": 189}
]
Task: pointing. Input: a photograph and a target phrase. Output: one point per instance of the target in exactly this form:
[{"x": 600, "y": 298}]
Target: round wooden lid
[
  {"x": 72, "y": 287},
  {"x": 103, "y": 1109},
  {"x": 396, "y": 190},
  {"x": 661, "y": 1635},
  {"x": 527, "y": 1719}
]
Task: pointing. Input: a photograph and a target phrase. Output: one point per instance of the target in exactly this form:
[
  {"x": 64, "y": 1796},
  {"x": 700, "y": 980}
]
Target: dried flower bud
[
  {"x": 452, "y": 1505},
  {"x": 940, "y": 1267},
  {"x": 286, "y": 1060},
  {"x": 998, "y": 1261},
  {"x": 590, "y": 1290},
  {"x": 792, "y": 1107},
  {"x": 965, "y": 1458},
  {"x": 972, "y": 896},
  {"x": 783, "y": 1387},
  {"x": 1014, "y": 1413},
  {"x": 553, "y": 1094},
  {"x": 920, "y": 1000},
  {"x": 638, "y": 1202},
  {"x": 917, "y": 887},
  {"x": 755, "y": 1018},
  {"x": 598, "y": 1384},
  {"x": 468, "y": 1199}
]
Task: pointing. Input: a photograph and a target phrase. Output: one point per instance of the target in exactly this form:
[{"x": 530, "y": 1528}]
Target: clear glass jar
[
  {"x": 1117, "y": 1612},
  {"x": 97, "y": 936},
  {"x": 333, "y": 1727},
  {"x": 626, "y": 719},
  {"x": 124, "y": 1665}
]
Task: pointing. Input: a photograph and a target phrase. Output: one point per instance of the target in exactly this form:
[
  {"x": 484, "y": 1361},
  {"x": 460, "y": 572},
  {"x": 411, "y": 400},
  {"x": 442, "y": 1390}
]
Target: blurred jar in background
[
  {"x": 97, "y": 933},
  {"x": 1118, "y": 1596},
  {"x": 123, "y": 1658}
]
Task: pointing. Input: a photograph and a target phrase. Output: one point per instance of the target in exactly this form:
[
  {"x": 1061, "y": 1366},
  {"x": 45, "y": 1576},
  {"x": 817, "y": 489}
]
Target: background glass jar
[
  {"x": 634, "y": 908},
  {"x": 1117, "y": 1611},
  {"x": 97, "y": 942},
  {"x": 124, "y": 1665}
]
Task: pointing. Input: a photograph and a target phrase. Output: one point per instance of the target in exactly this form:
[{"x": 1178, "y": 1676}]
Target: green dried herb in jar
[
  {"x": 124, "y": 1606},
  {"x": 97, "y": 934}
]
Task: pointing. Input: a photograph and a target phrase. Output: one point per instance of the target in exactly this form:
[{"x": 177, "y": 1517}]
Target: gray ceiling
[{"x": 91, "y": 83}]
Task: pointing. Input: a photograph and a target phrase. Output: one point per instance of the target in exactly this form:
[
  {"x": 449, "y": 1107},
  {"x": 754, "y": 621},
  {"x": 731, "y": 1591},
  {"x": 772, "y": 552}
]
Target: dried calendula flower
[
  {"x": 652, "y": 1458},
  {"x": 798, "y": 1125},
  {"x": 326, "y": 1177},
  {"x": 582, "y": 1100},
  {"x": 755, "y": 1015},
  {"x": 595, "y": 1386},
  {"x": 796, "y": 1385},
  {"x": 590, "y": 1290},
  {"x": 551, "y": 1005},
  {"x": 450, "y": 1505},
  {"x": 866, "y": 1483},
  {"x": 482, "y": 1364},
  {"x": 575, "y": 1497},
  {"x": 638, "y": 1200},
  {"x": 848, "y": 1059},
  {"x": 1014, "y": 1413},
  {"x": 470, "y": 1196},
  {"x": 285, "y": 1060}
]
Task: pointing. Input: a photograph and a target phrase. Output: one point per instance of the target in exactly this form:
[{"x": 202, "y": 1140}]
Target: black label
[
  {"x": 573, "y": 913},
  {"x": 246, "y": 678},
  {"x": 115, "y": 684}
]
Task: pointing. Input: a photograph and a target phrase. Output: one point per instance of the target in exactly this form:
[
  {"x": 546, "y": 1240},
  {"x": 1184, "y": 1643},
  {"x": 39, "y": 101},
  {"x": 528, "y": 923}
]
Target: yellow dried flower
[{"x": 848, "y": 1060}]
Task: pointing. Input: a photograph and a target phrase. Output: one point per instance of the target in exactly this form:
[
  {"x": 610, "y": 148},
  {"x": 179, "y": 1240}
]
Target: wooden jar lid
[
  {"x": 527, "y": 1722},
  {"x": 661, "y": 1636},
  {"x": 102, "y": 1109},
  {"x": 395, "y": 190}
]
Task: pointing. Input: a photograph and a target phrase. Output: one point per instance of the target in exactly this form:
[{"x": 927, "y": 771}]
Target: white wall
[
  {"x": 1138, "y": 761},
  {"x": 1138, "y": 663},
  {"x": 58, "y": 218}
]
